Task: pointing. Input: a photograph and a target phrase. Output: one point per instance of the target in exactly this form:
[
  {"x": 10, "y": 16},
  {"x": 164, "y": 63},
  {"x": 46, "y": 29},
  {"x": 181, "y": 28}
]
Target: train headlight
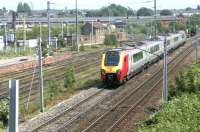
[{"x": 103, "y": 72}]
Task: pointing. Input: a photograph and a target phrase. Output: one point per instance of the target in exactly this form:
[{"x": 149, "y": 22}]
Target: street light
[
  {"x": 155, "y": 12},
  {"x": 109, "y": 11},
  {"x": 174, "y": 24},
  {"x": 49, "y": 28},
  {"x": 165, "y": 76},
  {"x": 5, "y": 33},
  {"x": 77, "y": 25}
]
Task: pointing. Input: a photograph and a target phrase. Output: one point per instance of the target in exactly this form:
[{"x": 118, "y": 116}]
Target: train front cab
[{"x": 114, "y": 67}]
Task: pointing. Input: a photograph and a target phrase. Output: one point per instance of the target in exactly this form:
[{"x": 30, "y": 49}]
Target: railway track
[
  {"x": 70, "y": 113},
  {"x": 54, "y": 72},
  {"x": 156, "y": 85},
  {"x": 63, "y": 121},
  {"x": 112, "y": 115},
  {"x": 60, "y": 63},
  {"x": 54, "y": 126},
  {"x": 55, "y": 66}
]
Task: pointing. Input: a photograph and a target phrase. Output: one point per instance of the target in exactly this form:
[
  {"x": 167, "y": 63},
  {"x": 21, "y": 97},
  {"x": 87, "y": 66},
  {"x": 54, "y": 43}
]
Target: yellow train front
[{"x": 114, "y": 66}]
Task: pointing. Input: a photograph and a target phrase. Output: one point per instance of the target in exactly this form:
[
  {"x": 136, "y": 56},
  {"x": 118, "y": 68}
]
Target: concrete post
[
  {"x": 13, "y": 105},
  {"x": 165, "y": 76},
  {"x": 41, "y": 82}
]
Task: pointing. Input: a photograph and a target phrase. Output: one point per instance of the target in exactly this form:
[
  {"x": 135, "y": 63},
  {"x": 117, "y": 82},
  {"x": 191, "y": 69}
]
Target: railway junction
[
  {"x": 112, "y": 69},
  {"x": 100, "y": 109}
]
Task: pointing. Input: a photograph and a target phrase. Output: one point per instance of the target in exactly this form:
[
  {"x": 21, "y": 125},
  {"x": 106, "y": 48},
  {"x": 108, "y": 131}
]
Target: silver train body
[{"x": 145, "y": 55}]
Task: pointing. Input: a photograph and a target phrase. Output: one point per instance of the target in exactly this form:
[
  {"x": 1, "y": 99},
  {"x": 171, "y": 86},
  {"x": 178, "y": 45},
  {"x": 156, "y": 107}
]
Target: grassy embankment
[{"x": 182, "y": 112}]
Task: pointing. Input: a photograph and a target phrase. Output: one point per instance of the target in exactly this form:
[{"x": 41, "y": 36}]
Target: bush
[
  {"x": 110, "y": 39},
  {"x": 181, "y": 114},
  {"x": 61, "y": 42},
  {"x": 135, "y": 29},
  {"x": 74, "y": 47},
  {"x": 187, "y": 82},
  {"x": 54, "y": 89},
  {"x": 69, "y": 77},
  {"x": 4, "y": 112},
  {"x": 82, "y": 48},
  {"x": 45, "y": 48}
]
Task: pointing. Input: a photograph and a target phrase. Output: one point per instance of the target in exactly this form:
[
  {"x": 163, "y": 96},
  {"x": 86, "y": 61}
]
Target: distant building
[
  {"x": 167, "y": 21},
  {"x": 28, "y": 43},
  {"x": 98, "y": 28}
]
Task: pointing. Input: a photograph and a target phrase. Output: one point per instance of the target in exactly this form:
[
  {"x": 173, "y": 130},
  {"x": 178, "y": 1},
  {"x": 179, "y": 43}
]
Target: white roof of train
[{"x": 145, "y": 43}]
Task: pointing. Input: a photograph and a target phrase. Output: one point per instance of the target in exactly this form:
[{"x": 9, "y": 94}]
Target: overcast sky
[{"x": 95, "y": 4}]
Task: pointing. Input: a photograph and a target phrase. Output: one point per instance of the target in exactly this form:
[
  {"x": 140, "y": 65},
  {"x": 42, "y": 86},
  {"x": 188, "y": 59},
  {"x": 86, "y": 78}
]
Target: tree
[
  {"x": 69, "y": 78},
  {"x": 110, "y": 39},
  {"x": 4, "y": 9},
  {"x": 144, "y": 12},
  {"x": 188, "y": 9},
  {"x": 130, "y": 12},
  {"x": 166, "y": 12},
  {"x": 20, "y": 7},
  {"x": 198, "y": 7},
  {"x": 23, "y": 8},
  {"x": 27, "y": 8},
  {"x": 111, "y": 10}
]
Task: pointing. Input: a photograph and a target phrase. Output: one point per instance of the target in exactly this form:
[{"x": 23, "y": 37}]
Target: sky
[{"x": 96, "y": 4}]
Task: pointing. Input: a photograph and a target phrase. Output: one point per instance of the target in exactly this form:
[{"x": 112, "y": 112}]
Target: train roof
[
  {"x": 133, "y": 45},
  {"x": 171, "y": 35},
  {"x": 142, "y": 44}
]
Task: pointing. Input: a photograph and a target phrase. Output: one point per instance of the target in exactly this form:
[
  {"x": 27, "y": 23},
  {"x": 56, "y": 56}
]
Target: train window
[
  {"x": 154, "y": 49},
  {"x": 112, "y": 58},
  {"x": 137, "y": 57},
  {"x": 168, "y": 42},
  {"x": 175, "y": 39}
]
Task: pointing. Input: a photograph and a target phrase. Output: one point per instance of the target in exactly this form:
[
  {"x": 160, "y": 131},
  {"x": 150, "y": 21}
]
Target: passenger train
[{"x": 120, "y": 64}]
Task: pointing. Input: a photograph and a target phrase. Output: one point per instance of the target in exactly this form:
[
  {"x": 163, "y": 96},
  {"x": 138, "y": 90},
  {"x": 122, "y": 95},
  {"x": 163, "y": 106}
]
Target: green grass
[
  {"x": 10, "y": 53},
  {"x": 1, "y": 127},
  {"x": 87, "y": 49},
  {"x": 55, "y": 91}
]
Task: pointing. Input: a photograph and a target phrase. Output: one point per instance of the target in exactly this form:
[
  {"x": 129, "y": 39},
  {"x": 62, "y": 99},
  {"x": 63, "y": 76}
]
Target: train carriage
[{"x": 119, "y": 64}]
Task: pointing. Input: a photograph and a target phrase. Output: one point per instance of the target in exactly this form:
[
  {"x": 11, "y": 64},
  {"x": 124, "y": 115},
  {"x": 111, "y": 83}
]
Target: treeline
[
  {"x": 111, "y": 10},
  {"x": 118, "y": 10}
]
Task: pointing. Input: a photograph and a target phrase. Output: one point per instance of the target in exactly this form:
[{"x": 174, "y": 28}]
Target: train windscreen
[{"x": 112, "y": 58}]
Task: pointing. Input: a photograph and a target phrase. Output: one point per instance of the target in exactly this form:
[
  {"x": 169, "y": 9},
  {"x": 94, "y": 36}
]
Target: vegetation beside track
[
  {"x": 181, "y": 113},
  {"x": 10, "y": 53},
  {"x": 3, "y": 113},
  {"x": 56, "y": 91}
]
